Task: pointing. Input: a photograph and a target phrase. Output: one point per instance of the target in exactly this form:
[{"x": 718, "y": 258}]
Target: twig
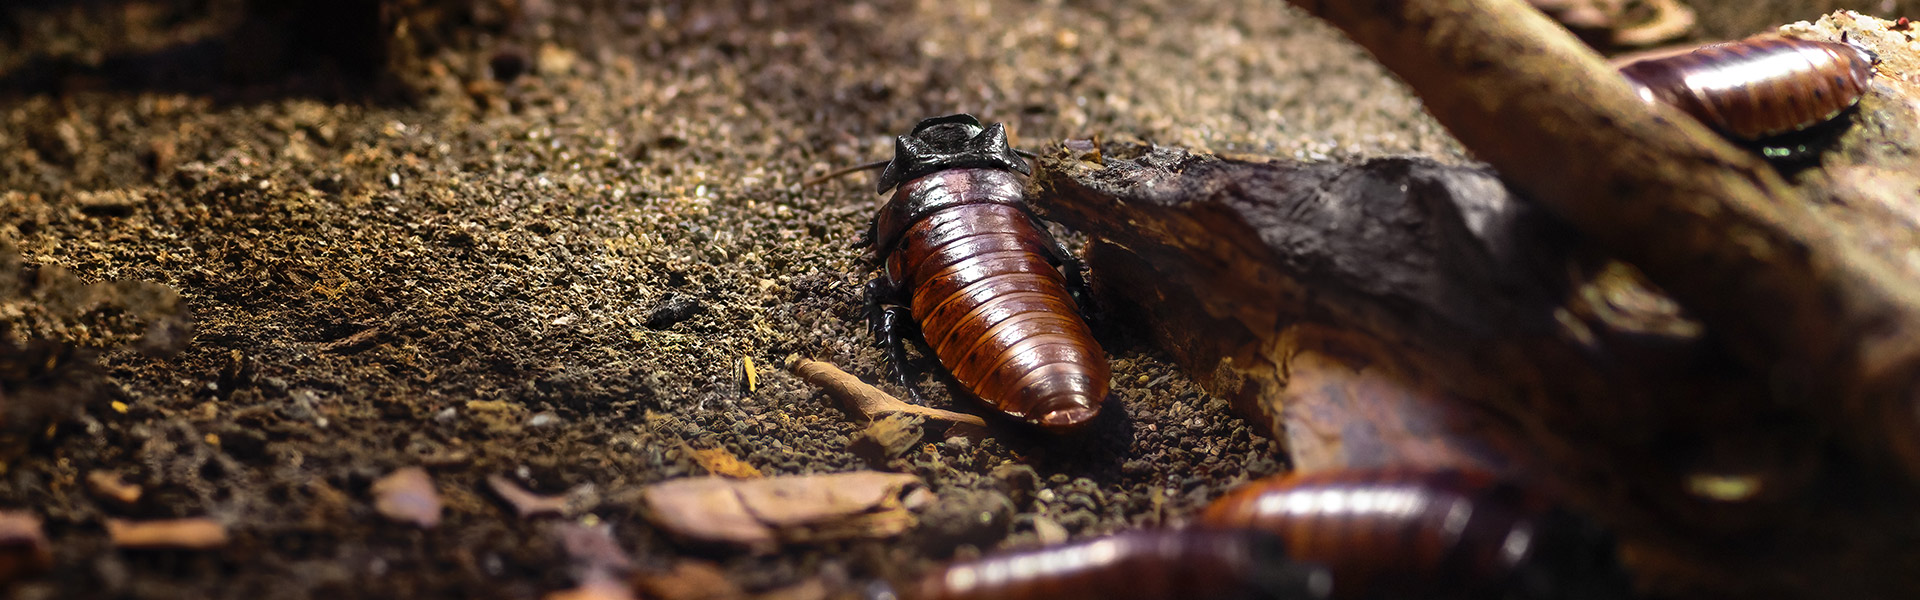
[
  {"x": 1710, "y": 223},
  {"x": 868, "y": 400}
]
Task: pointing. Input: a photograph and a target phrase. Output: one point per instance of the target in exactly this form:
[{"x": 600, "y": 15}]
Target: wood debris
[
  {"x": 525, "y": 503},
  {"x": 761, "y": 514},
  {"x": 109, "y": 486},
  {"x": 407, "y": 495},
  {"x": 193, "y": 533},
  {"x": 869, "y": 401}
]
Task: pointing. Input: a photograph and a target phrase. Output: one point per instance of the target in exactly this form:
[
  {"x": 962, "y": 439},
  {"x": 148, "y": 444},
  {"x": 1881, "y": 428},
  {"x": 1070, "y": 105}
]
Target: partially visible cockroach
[
  {"x": 1410, "y": 535},
  {"x": 1757, "y": 87},
  {"x": 993, "y": 293},
  {"x": 1138, "y": 565}
]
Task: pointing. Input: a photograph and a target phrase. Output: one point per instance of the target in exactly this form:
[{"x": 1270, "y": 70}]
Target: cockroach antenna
[{"x": 842, "y": 172}]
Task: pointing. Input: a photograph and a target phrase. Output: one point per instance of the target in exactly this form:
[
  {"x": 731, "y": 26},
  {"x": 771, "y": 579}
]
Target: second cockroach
[
  {"x": 1137, "y": 565},
  {"x": 1758, "y": 87},
  {"x": 992, "y": 293},
  {"x": 1441, "y": 535}
]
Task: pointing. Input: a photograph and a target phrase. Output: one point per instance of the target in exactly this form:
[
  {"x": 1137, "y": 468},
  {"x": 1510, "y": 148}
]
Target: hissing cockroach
[
  {"x": 1757, "y": 87},
  {"x": 1138, "y": 565},
  {"x": 1411, "y": 535},
  {"x": 967, "y": 260}
]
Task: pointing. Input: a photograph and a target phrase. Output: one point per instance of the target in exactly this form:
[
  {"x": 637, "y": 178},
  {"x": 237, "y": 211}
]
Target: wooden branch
[{"x": 1830, "y": 325}]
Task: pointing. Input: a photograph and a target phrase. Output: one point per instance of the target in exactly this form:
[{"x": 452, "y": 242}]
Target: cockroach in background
[
  {"x": 1139, "y": 565},
  {"x": 1759, "y": 87},
  {"x": 1414, "y": 535},
  {"x": 993, "y": 294}
]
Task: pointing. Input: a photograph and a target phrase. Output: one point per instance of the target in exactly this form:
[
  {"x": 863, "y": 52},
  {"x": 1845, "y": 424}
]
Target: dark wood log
[
  {"x": 1404, "y": 311},
  {"x": 1799, "y": 295}
]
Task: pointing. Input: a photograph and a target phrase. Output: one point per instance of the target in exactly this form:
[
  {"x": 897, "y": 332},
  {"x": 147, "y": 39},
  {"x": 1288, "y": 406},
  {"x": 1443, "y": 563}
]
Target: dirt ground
[{"x": 538, "y": 239}]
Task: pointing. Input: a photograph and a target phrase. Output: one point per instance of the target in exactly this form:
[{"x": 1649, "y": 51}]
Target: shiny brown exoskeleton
[
  {"x": 1758, "y": 87},
  {"x": 1429, "y": 536},
  {"x": 968, "y": 261},
  {"x": 1138, "y": 565}
]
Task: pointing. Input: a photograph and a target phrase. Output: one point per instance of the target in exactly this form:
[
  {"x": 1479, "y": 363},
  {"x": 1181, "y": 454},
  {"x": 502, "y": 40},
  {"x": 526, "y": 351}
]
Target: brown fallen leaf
[
  {"x": 23, "y": 546},
  {"x": 525, "y": 503},
  {"x": 108, "y": 485},
  {"x": 886, "y": 438},
  {"x": 194, "y": 533},
  {"x": 688, "y": 580},
  {"x": 719, "y": 461},
  {"x": 761, "y": 513},
  {"x": 408, "y": 496},
  {"x": 869, "y": 401}
]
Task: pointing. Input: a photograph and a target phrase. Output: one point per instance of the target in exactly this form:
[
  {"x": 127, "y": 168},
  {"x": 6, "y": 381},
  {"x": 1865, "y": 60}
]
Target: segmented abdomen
[
  {"x": 1139, "y": 565},
  {"x": 1411, "y": 535},
  {"x": 999, "y": 316},
  {"x": 1758, "y": 87}
]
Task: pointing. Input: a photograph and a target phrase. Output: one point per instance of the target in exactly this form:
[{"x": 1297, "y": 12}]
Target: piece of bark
[
  {"x": 1428, "y": 317},
  {"x": 194, "y": 533},
  {"x": 1796, "y": 294},
  {"x": 869, "y": 401},
  {"x": 760, "y": 514},
  {"x": 24, "y": 550},
  {"x": 407, "y": 495}
]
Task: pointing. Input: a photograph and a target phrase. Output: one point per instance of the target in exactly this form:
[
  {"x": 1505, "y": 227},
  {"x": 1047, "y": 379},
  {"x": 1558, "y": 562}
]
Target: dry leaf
[
  {"x": 688, "y": 580},
  {"x": 719, "y": 461},
  {"x": 408, "y": 496},
  {"x": 761, "y": 513}
]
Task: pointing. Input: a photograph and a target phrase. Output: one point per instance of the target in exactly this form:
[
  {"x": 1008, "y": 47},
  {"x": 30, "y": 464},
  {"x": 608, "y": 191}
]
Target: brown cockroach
[
  {"x": 1137, "y": 565},
  {"x": 996, "y": 298},
  {"x": 1430, "y": 535},
  {"x": 1757, "y": 87}
]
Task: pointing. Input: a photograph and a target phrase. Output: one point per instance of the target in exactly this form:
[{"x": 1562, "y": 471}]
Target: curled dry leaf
[
  {"x": 407, "y": 496},
  {"x": 762, "y": 513},
  {"x": 196, "y": 533},
  {"x": 23, "y": 546},
  {"x": 869, "y": 401}
]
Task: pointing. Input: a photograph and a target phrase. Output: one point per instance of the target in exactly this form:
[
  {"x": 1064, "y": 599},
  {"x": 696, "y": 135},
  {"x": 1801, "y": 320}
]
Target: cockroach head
[
  {"x": 1872, "y": 58},
  {"x": 950, "y": 142}
]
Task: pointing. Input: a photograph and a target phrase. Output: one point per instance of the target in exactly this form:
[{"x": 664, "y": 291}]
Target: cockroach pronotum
[
  {"x": 993, "y": 293},
  {"x": 1138, "y": 565},
  {"x": 1429, "y": 535},
  {"x": 1758, "y": 87}
]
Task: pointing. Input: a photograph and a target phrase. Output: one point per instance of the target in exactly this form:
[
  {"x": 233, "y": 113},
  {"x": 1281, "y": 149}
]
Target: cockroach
[
  {"x": 993, "y": 294},
  {"x": 1410, "y": 535},
  {"x": 1138, "y": 565},
  {"x": 1757, "y": 87}
]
